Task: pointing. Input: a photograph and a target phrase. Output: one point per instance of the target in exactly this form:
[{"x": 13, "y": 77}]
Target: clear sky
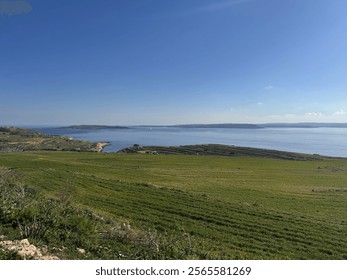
[{"x": 170, "y": 62}]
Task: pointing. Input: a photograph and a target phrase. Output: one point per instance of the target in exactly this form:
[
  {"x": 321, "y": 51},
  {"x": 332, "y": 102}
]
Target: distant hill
[
  {"x": 265, "y": 125},
  {"x": 95, "y": 127},
  {"x": 217, "y": 125},
  {"x": 221, "y": 125},
  {"x": 304, "y": 125},
  {"x": 255, "y": 126},
  {"x": 14, "y": 139},
  {"x": 219, "y": 150}
]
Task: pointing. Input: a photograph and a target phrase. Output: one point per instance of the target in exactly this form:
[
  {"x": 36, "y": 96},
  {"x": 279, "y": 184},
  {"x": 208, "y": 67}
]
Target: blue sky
[{"x": 169, "y": 62}]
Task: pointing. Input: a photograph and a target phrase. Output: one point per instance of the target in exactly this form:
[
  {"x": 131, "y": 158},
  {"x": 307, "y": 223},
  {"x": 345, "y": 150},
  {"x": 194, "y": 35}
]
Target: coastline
[
  {"x": 101, "y": 145},
  {"x": 323, "y": 141}
]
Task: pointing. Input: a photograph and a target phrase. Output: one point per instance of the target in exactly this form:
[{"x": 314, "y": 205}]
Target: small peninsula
[
  {"x": 219, "y": 150},
  {"x": 14, "y": 139}
]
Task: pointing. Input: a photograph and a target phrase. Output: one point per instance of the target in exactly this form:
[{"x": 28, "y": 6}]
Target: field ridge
[{"x": 219, "y": 150}]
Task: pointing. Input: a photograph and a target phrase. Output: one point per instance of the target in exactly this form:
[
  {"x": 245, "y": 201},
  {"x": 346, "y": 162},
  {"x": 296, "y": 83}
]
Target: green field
[{"x": 221, "y": 207}]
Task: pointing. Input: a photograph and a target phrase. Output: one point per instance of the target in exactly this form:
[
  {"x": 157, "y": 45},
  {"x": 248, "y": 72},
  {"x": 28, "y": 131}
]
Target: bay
[{"x": 323, "y": 141}]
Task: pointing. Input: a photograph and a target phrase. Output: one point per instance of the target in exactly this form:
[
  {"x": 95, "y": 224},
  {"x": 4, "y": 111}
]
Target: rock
[
  {"x": 25, "y": 242},
  {"x": 5, "y": 243},
  {"x": 26, "y": 250},
  {"x": 82, "y": 251}
]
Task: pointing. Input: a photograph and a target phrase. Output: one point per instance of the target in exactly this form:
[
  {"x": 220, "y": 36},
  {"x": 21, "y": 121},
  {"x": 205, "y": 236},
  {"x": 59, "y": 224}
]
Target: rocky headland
[{"x": 14, "y": 139}]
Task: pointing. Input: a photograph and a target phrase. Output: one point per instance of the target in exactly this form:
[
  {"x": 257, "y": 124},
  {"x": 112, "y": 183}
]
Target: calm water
[{"x": 324, "y": 141}]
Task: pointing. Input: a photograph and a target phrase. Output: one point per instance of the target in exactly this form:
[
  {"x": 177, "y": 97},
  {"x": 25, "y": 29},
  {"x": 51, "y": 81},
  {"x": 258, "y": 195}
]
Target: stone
[{"x": 82, "y": 251}]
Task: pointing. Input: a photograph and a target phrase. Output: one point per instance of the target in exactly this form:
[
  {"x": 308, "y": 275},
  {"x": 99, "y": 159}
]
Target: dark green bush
[{"x": 9, "y": 255}]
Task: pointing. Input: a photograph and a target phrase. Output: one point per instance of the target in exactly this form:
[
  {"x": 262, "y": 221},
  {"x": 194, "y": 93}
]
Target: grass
[{"x": 227, "y": 207}]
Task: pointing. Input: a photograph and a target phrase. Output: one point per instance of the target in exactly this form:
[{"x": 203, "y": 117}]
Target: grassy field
[{"x": 227, "y": 207}]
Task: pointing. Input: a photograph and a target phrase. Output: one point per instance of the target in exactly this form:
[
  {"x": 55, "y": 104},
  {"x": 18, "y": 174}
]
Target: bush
[
  {"x": 149, "y": 244},
  {"x": 9, "y": 255}
]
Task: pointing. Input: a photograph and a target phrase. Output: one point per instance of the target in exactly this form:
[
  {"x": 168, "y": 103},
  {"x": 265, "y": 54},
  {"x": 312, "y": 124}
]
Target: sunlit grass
[{"x": 232, "y": 207}]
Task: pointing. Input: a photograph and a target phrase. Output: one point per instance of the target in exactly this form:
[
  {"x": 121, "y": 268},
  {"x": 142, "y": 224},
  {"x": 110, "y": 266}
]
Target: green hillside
[{"x": 188, "y": 206}]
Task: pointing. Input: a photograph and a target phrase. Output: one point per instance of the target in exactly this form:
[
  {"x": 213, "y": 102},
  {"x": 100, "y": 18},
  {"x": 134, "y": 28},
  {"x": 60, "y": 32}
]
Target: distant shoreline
[
  {"x": 14, "y": 139},
  {"x": 94, "y": 127},
  {"x": 327, "y": 140},
  {"x": 216, "y": 125}
]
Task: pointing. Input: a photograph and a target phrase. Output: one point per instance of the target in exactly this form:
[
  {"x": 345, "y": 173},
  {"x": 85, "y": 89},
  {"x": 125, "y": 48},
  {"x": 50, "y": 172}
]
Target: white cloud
[
  {"x": 280, "y": 117},
  {"x": 339, "y": 116},
  {"x": 307, "y": 117},
  {"x": 314, "y": 114},
  {"x": 14, "y": 7},
  {"x": 340, "y": 112},
  {"x": 260, "y": 103},
  {"x": 252, "y": 115}
]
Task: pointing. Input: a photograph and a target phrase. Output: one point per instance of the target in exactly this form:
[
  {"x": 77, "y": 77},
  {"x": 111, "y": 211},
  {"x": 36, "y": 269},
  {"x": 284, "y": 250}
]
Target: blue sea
[{"x": 323, "y": 141}]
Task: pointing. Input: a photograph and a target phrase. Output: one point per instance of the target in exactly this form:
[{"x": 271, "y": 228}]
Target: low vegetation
[
  {"x": 74, "y": 233},
  {"x": 154, "y": 206}
]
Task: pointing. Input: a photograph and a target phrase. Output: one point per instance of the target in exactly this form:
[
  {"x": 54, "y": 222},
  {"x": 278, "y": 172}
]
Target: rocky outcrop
[
  {"x": 101, "y": 145},
  {"x": 26, "y": 250},
  {"x": 14, "y": 139}
]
